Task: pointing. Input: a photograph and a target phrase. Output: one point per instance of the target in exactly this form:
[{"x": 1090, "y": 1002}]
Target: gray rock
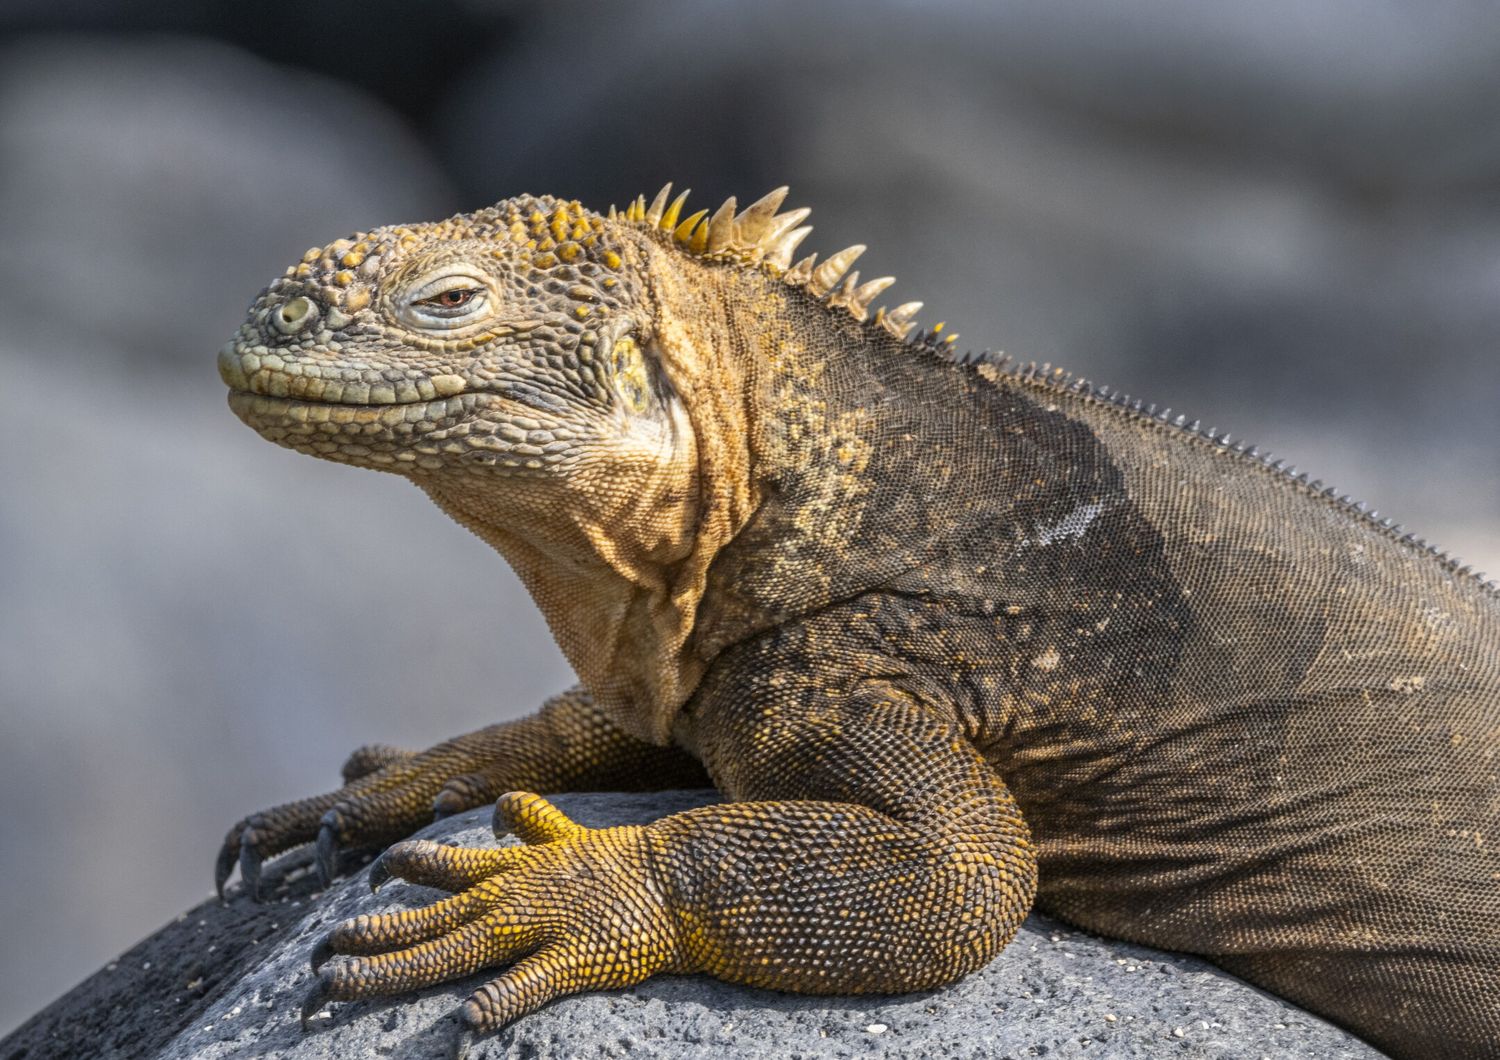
[{"x": 226, "y": 980}]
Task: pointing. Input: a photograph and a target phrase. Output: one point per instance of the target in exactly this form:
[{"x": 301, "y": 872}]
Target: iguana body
[{"x": 946, "y": 634}]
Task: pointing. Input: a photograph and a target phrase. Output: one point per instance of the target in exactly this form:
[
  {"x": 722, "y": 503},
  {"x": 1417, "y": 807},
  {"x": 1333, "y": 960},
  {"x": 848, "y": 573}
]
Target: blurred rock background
[{"x": 1283, "y": 218}]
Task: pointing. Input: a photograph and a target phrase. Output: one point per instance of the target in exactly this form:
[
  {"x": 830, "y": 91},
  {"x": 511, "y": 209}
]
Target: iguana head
[{"x": 567, "y": 384}]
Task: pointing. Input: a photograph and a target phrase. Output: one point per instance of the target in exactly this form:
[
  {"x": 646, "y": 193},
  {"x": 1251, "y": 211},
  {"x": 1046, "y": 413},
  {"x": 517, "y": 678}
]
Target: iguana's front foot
[
  {"x": 388, "y": 793},
  {"x": 575, "y": 909}
]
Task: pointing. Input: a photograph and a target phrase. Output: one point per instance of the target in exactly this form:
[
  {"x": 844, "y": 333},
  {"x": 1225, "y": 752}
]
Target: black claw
[
  {"x": 229, "y": 853},
  {"x": 328, "y": 850},
  {"x": 317, "y": 997},
  {"x": 322, "y": 953},
  {"x": 250, "y": 869},
  {"x": 499, "y": 823},
  {"x": 379, "y": 873}
]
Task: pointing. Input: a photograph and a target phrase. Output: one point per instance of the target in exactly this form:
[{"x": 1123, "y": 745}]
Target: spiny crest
[
  {"x": 759, "y": 236},
  {"x": 993, "y": 365}
]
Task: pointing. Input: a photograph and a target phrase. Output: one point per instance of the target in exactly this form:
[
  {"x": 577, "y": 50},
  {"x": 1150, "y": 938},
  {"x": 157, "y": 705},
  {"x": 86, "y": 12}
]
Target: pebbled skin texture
[
  {"x": 389, "y": 793},
  {"x": 950, "y": 636}
]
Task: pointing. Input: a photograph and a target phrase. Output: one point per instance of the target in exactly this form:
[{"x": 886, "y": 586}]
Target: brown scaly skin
[
  {"x": 946, "y": 635},
  {"x": 388, "y": 793}
]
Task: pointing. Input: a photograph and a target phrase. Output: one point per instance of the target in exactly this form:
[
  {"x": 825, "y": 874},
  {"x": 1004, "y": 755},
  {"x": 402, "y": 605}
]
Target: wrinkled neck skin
[
  {"x": 600, "y": 564},
  {"x": 603, "y": 561},
  {"x": 617, "y": 558}
]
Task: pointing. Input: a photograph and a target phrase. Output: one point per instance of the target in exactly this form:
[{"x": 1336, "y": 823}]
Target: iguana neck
[
  {"x": 785, "y": 395},
  {"x": 618, "y": 568},
  {"x": 605, "y": 576}
]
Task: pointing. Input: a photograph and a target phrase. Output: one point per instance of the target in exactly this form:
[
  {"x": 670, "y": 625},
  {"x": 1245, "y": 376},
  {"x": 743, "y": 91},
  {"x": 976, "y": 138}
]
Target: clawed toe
[
  {"x": 322, "y": 953},
  {"x": 462, "y": 793},
  {"x": 317, "y": 997},
  {"x": 328, "y": 848},
  {"x": 419, "y": 860},
  {"x": 371, "y": 758},
  {"x": 241, "y": 847},
  {"x": 250, "y": 861},
  {"x": 229, "y": 856},
  {"x": 380, "y": 874},
  {"x": 447, "y": 803},
  {"x": 570, "y": 911},
  {"x": 429, "y": 864},
  {"x": 388, "y": 793}
]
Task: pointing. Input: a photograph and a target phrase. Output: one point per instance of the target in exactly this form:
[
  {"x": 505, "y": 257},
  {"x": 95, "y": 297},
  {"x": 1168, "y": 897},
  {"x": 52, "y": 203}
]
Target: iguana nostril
[{"x": 294, "y": 315}]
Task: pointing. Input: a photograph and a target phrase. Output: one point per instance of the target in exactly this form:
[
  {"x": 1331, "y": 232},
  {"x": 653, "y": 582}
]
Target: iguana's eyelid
[
  {"x": 418, "y": 307},
  {"x": 436, "y": 299},
  {"x": 439, "y": 285}
]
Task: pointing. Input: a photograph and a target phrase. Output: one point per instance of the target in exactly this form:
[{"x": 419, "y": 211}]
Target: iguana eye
[
  {"x": 447, "y": 301},
  {"x": 460, "y": 296}
]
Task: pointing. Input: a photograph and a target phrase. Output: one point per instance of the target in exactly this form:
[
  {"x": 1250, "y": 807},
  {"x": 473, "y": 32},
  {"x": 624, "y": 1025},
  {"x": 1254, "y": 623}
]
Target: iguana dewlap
[{"x": 948, "y": 634}]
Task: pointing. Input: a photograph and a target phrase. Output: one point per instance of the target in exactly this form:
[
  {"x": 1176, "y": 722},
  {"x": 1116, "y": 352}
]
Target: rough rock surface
[{"x": 226, "y": 980}]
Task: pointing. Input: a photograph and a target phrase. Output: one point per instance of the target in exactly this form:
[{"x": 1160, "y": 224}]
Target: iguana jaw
[
  {"x": 318, "y": 379},
  {"x": 384, "y": 437},
  {"x": 446, "y": 426}
]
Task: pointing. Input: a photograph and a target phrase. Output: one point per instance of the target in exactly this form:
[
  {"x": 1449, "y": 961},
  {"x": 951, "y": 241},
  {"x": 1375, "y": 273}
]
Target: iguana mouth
[
  {"x": 266, "y": 373},
  {"x": 390, "y": 414},
  {"x": 402, "y": 436}
]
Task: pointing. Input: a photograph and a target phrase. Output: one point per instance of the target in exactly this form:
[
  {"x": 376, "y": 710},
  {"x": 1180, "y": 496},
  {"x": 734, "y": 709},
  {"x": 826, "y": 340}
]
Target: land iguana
[{"x": 950, "y": 634}]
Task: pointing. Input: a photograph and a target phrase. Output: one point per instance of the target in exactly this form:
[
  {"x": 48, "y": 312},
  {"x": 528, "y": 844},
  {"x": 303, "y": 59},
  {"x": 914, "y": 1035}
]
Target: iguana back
[
  {"x": 1315, "y": 800},
  {"x": 1242, "y": 717}
]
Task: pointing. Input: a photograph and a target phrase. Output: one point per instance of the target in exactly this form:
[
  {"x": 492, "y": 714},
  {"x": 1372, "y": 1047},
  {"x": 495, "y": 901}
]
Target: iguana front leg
[
  {"x": 872, "y": 849},
  {"x": 388, "y": 794}
]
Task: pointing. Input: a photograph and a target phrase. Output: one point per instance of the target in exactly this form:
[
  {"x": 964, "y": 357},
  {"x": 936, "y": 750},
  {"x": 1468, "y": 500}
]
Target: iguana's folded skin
[{"x": 947, "y": 635}]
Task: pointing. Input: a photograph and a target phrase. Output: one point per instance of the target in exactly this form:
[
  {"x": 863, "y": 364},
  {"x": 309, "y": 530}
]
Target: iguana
[{"x": 948, "y": 633}]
